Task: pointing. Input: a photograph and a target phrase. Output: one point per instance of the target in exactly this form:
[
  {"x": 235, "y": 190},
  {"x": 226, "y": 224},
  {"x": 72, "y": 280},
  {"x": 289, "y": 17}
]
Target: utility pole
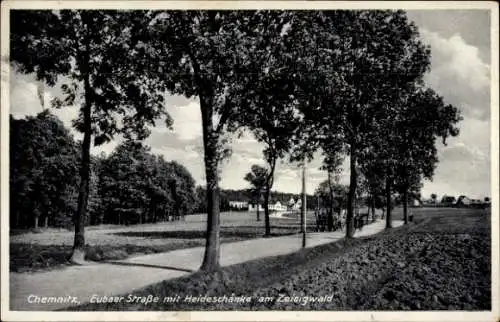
[{"x": 304, "y": 205}]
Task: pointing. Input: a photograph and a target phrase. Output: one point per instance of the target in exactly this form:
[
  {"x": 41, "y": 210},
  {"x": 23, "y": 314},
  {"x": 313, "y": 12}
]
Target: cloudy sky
[{"x": 460, "y": 43}]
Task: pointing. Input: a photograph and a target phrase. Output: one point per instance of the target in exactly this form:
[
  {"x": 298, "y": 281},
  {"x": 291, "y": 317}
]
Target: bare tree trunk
[
  {"x": 211, "y": 257},
  {"x": 266, "y": 211},
  {"x": 36, "y": 222},
  {"x": 351, "y": 197},
  {"x": 373, "y": 208},
  {"x": 177, "y": 203},
  {"x": 330, "y": 212},
  {"x": 258, "y": 202},
  {"x": 83, "y": 195},
  {"x": 304, "y": 206},
  {"x": 388, "y": 218},
  {"x": 269, "y": 184},
  {"x": 405, "y": 206}
]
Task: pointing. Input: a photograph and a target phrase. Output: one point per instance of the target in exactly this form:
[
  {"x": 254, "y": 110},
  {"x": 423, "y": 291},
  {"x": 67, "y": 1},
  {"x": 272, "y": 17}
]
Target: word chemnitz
[{"x": 32, "y": 298}]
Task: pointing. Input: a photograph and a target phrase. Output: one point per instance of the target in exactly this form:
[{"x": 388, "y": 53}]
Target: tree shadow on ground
[
  {"x": 31, "y": 257},
  {"x": 150, "y": 266}
]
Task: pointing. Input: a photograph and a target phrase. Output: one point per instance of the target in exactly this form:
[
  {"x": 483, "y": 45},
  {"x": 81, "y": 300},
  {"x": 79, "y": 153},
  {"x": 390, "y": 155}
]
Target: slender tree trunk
[
  {"x": 405, "y": 206},
  {"x": 304, "y": 206},
  {"x": 331, "y": 210},
  {"x": 176, "y": 212},
  {"x": 36, "y": 222},
  {"x": 269, "y": 184},
  {"x": 373, "y": 208},
  {"x": 388, "y": 217},
  {"x": 211, "y": 257},
  {"x": 351, "y": 196},
  {"x": 46, "y": 221},
  {"x": 258, "y": 202},
  {"x": 266, "y": 211}
]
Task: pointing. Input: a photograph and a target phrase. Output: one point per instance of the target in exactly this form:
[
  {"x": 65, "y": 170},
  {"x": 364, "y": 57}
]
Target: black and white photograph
[{"x": 249, "y": 161}]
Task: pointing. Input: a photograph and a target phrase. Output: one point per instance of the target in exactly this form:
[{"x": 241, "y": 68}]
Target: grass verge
[{"x": 29, "y": 257}]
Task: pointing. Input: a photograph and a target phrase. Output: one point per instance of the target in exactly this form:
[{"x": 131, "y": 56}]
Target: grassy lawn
[
  {"x": 52, "y": 249},
  {"x": 441, "y": 261}
]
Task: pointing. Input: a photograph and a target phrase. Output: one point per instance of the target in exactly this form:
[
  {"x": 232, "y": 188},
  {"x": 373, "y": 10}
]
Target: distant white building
[
  {"x": 273, "y": 206},
  {"x": 252, "y": 207},
  {"x": 277, "y": 206},
  {"x": 294, "y": 205},
  {"x": 238, "y": 204}
]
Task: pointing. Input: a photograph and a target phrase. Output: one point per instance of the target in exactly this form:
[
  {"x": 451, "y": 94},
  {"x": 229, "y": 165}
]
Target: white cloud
[
  {"x": 187, "y": 120},
  {"x": 459, "y": 74},
  {"x": 23, "y": 96}
]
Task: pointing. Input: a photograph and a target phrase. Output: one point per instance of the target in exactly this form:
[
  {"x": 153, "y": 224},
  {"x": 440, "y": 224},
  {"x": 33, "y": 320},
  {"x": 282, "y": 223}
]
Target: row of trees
[
  {"x": 347, "y": 82},
  {"x": 130, "y": 186}
]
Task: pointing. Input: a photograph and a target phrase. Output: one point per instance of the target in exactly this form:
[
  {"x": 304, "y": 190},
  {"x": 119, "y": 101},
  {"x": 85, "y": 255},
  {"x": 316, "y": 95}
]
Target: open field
[
  {"x": 440, "y": 262},
  {"x": 52, "y": 249}
]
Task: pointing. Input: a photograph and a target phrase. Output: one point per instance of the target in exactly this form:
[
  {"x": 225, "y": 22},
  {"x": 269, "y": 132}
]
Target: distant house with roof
[
  {"x": 463, "y": 201},
  {"x": 277, "y": 206},
  {"x": 294, "y": 205},
  {"x": 274, "y": 205}
]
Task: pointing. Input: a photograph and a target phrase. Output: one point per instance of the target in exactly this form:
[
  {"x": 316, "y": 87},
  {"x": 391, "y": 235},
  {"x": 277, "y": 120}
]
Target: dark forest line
[{"x": 130, "y": 186}]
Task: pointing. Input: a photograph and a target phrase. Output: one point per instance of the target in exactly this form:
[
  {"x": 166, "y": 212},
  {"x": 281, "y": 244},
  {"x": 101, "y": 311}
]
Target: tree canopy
[
  {"x": 42, "y": 151},
  {"x": 102, "y": 66}
]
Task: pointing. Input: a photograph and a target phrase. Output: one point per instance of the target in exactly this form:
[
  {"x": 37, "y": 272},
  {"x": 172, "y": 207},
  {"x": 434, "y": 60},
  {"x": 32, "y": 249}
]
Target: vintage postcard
[{"x": 249, "y": 160}]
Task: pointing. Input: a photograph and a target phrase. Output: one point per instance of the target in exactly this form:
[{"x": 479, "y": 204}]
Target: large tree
[
  {"x": 42, "y": 152},
  {"x": 332, "y": 163},
  {"x": 273, "y": 123},
  {"x": 373, "y": 180},
  {"x": 102, "y": 64},
  {"x": 216, "y": 56},
  {"x": 373, "y": 54},
  {"x": 258, "y": 177},
  {"x": 425, "y": 118},
  {"x": 407, "y": 154}
]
